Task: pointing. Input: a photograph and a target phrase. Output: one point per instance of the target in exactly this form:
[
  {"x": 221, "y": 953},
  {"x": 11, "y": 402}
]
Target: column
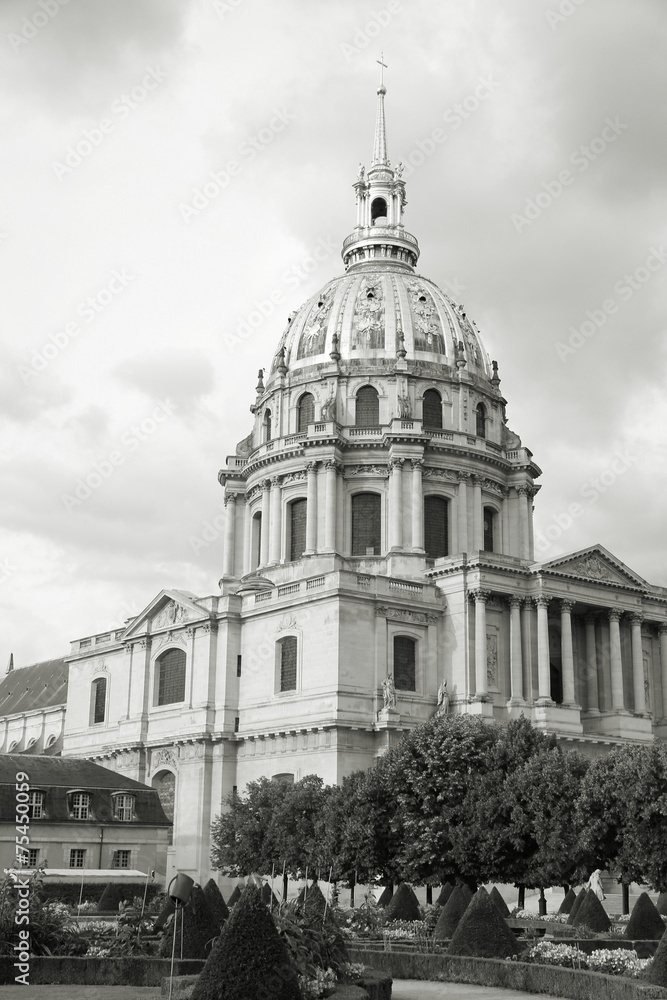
[
  {"x": 567, "y": 656},
  {"x": 515, "y": 530},
  {"x": 662, "y": 633},
  {"x": 524, "y": 543},
  {"x": 638, "y": 664},
  {"x": 481, "y": 676},
  {"x": 330, "y": 508},
  {"x": 527, "y": 632},
  {"x": 228, "y": 554},
  {"x": 531, "y": 540},
  {"x": 516, "y": 656},
  {"x": 266, "y": 522},
  {"x": 592, "y": 696},
  {"x": 395, "y": 504},
  {"x": 463, "y": 512},
  {"x": 417, "y": 506},
  {"x": 616, "y": 662},
  {"x": 247, "y": 536},
  {"x": 543, "y": 666},
  {"x": 311, "y": 509},
  {"x": 276, "y": 519},
  {"x": 507, "y": 545},
  {"x": 477, "y": 520}
]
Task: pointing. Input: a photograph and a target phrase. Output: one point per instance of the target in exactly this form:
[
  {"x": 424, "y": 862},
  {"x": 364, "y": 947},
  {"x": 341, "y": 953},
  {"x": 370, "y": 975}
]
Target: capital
[
  {"x": 311, "y": 467},
  {"x": 615, "y": 614},
  {"x": 331, "y": 465},
  {"x": 566, "y": 606},
  {"x": 479, "y": 596},
  {"x": 515, "y": 602},
  {"x": 662, "y": 628},
  {"x": 275, "y": 481},
  {"x": 636, "y": 619},
  {"x": 542, "y": 601},
  {"x": 396, "y": 463},
  {"x": 417, "y": 464},
  {"x": 266, "y": 485},
  {"x": 463, "y": 477},
  {"x": 230, "y": 498},
  {"x": 522, "y": 491}
]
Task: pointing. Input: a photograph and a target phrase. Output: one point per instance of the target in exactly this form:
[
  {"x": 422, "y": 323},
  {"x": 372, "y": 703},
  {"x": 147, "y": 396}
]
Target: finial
[
  {"x": 282, "y": 367},
  {"x": 334, "y": 354},
  {"x": 10, "y": 665},
  {"x": 383, "y": 66},
  {"x": 460, "y": 355},
  {"x": 401, "y": 352},
  {"x": 260, "y": 384},
  {"x": 495, "y": 379}
]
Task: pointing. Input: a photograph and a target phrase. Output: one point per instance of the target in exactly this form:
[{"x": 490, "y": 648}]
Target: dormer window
[
  {"x": 79, "y": 805},
  {"x": 123, "y": 807},
  {"x": 36, "y": 804}
]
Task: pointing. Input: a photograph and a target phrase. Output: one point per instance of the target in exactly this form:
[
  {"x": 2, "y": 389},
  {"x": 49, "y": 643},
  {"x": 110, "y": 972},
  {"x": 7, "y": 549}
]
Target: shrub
[
  {"x": 593, "y": 914},
  {"x": 311, "y": 944},
  {"x": 568, "y": 902},
  {"x": 452, "y": 912},
  {"x": 576, "y": 905},
  {"x": 404, "y": 905},
  {"x": 445, "y": 893},
  {"x": 249, "y": 959},
  {"x": 216, "y": 902},
  {"x": 657, "y": 971},
  {"x": 483, "y": 932},
  {"x": 269, "y": 897},
  {"x": 114, "y": 894},
  {"x": 235, "y": 896},
  {"x": 314, "y": 905},
  {"x": 199, "y": 928},
  {"x": 386, "y": 896},
  {"x": 661, "y": 905},
  {"x": 503, "y": 908},
  {"x": 645, "y": 923}
]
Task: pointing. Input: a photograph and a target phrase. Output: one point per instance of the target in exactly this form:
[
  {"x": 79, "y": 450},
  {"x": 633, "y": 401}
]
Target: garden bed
[
  {"x": 374, "y": 985},
  {"x": 98, "y": 971},
  {"x": 549, "y": 979}
]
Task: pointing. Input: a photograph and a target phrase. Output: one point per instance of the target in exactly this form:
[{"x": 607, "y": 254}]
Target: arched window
[
  {"x": 436, "y": 527},
  {"x": 366, "y": 524},
  {"x": 266, "y": 423},
  {"x": 99, "y": 699},
  {"x": 256, "y": 554},
  {"x": 405, "y": 661},
  {"x": 480, "y": 420},
  {"x": 288, "y": 651},
  {"x": 284, "y": 778},
  {"x": 171, "y": 677},
  {"x": 489, "y": 528},
  {"x": 368, "y": 407},
  {"x": 378, "y": 210},
  {"x": 432, "y": 414},
  {"x": 306, "y": 411},
  {"x": 298, "y": 510}
]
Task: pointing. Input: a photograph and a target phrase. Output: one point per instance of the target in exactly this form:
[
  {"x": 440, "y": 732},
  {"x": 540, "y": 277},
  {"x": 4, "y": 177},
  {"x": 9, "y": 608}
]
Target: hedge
[
  {"x": 374, "y": 985},
  {"x": 46, "y": 970},
  {"x": 69, "y": 891}
]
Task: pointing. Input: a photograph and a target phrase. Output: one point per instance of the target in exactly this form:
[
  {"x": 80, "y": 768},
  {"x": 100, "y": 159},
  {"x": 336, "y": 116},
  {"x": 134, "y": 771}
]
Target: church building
[{"x": 378, "y": 566}]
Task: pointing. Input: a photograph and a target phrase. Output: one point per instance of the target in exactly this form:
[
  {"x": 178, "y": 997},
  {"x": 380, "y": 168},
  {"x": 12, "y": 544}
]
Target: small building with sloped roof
[{"x": 33, "y": 701}]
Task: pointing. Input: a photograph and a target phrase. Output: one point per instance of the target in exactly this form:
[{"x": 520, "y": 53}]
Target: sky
[{"x": 171, "y": 167}]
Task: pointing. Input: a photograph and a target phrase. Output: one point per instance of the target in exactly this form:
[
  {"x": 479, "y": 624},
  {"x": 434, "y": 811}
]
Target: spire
[
  {"x": 380, "y": 157},
  {"x": 10, "y": 665}
]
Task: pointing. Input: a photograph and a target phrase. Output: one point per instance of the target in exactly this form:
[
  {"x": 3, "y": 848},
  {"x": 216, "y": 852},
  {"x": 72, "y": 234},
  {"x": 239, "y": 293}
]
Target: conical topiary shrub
[
  {"x": 645, "y": 923},
  {"x": 113, "y": 895},
  {"x": 235, "y": 896},
  {"x": 200, "y": 928},
  {"x": 386, "y": 895},
  {"x": 657, "y": 971},
  {"x": 314, "y": 904},
  {"x": 495, "y": 897},
  {"x": 216, "y": 902},
  {"x": 581, "y": 896},
  {"x": 592, "y": 914},
  {"x": 452, "y": 911},
  {"x": 249, "y": 959},
  {"x": 163, "y": 916},
  {"x": 269, "y": 897},
  {"x": 661, "y": 904},
  {"x": 568, "y": 902},
  {"x": 482, "y": 931},
  {"x": 445, "y": 893},
  {"x": 403, "y": 905}
]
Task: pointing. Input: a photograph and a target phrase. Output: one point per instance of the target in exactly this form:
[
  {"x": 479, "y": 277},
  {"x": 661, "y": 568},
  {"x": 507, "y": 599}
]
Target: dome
[{"x": 379, "y": 313}]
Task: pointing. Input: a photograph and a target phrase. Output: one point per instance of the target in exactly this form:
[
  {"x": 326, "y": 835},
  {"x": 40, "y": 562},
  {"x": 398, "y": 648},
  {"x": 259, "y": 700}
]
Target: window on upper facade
[
  {"x": 256, "y": 540},
  {"x": 284, "y": 778},
  {"x": 405, "y": 663},
  {"x": 489, "y": 529},
  {"x": 366, "y": 524},
  {"x": 432, "y": 411},
  {"x": 288, "y": 653},
  {"x": 77, "y": 857},
  {"x": 298, "y": 509},
  {"x": 171, "y": 677},
  {"x": 80, "y": 805},
  {"x": 480, "y": 420},
  {"x": 266, "y": 423},
  {"x": 436, "y": 527},
  {"x": 123, "y": 807},
  {"x": 99, "y": 699},
  {"x": 378, "y": 210},
  {"x": 367, "y": 411},
  {"x": 121, "y": 859},
  {"x": 36, "y": 804},
  {"x": 306, "y": 411}
]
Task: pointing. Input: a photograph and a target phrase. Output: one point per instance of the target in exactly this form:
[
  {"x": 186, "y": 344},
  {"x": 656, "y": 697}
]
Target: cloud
[{"x": 181, "y": 376}]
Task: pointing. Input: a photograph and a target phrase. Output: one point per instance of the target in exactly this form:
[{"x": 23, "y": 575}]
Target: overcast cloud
[{"x": 545, "y": 206}]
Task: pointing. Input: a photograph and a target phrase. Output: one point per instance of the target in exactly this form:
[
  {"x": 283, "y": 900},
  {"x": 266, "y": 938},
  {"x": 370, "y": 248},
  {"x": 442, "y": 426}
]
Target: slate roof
[{"x": 41, "y": 685}]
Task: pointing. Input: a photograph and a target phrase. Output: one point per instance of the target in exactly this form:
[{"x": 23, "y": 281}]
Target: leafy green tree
[
  {"x": 244, "y": 837},
  {"x": 298, "y": 828}
]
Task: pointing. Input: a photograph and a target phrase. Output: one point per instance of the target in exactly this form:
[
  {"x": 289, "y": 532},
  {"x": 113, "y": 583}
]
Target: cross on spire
[{"x": 383, "y": 67}]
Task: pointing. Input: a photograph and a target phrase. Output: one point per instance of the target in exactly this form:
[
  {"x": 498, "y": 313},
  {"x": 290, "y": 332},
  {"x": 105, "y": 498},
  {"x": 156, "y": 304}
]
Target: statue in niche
[
  {"x": 328, "y": 411},
  {"x": 404, "y": 405},
  {"x": 443, "y": 699},
  {"x": 389, "y": 692}
]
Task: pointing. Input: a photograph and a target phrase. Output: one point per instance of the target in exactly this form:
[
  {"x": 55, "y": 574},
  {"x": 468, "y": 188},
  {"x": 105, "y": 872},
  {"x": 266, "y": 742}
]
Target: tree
[
  {"x": 243, "y": 838},
  {"x": 298, "y": 828}
]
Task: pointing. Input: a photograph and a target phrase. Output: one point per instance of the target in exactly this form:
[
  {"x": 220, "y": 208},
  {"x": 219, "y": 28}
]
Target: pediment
[
  {"x": 169, "y": 610},
  {"x": 595, "y": 565}
]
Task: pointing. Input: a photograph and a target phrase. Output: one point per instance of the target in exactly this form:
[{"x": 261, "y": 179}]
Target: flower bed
[{"x": 612, "y": 961}]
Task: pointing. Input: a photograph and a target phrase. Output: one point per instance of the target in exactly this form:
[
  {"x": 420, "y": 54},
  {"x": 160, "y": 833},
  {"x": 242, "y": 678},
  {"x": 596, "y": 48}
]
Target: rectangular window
[
  {"x": 298, "y": 510},
  {"x": 33, "y": 857},
  {"x": 366, "y": 524},
  {"x": 436, "y": 527},
  {"x": 99, "y": 699},
  {"x": 77, "y": 857},
  {"x": 121, "y": 859},
  {"x": 36, "y": 805},
  {"x": 80, "y": 805},
  {"x": 236, "y": 724},
  {"x": 404, "y": 663},
  {"x": 124, "y": 808},
  {"x": 288, "y": 649},
  {"x": 238, "y": 665}
]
